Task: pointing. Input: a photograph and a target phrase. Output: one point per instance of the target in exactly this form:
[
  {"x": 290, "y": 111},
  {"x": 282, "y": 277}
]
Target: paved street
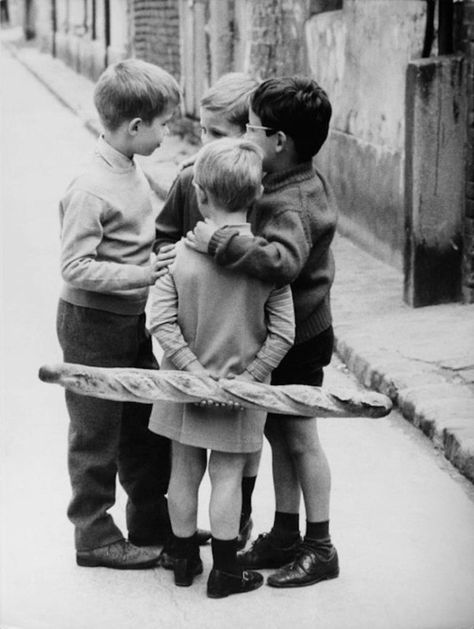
[{"x": 402, "y": 517}]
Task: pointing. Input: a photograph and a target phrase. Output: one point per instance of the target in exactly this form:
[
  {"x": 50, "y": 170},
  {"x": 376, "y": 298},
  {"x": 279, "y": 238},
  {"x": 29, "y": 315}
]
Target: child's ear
[
  {"x": 281, "y": 141},
  {"x": 134, "y": 126},
  {"x": 201, "y": 194},
  {"x": 260, "y": 192}
]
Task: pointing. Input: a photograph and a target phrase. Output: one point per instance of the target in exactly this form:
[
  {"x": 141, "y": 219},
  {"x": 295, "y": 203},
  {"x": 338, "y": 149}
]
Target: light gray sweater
[
  {"x": 228, "y": 321},
  {"x": 107, "y": 233}
]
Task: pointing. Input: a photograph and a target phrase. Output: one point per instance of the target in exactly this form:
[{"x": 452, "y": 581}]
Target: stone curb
[{"x": 426, "y": 400}]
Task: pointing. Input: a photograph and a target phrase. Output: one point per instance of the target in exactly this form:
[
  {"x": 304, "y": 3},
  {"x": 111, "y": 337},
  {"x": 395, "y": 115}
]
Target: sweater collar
[
  {"x": 114, "y": 158},
  {"x": 300, "y": 172}
]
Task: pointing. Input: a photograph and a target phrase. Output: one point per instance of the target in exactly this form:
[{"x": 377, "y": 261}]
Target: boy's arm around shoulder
[
  {"x": 170, "y": 222},
  {"x": 276, "y": 255},
  {"x": 280, "y": 319},
  {"x": 297, "y": 218},
  {"x": 82, "y": 231}
]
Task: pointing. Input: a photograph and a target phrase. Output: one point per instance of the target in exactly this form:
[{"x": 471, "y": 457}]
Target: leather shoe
[
  {"x": 309, "y": 567},
  {"x": 120, "y": 555},
  {"x": 167, "y": 557},
  {"x": 244, "y": 534},
  {"x": 186, "y": 569},
  {"x": 221, "y": 584},
  {"x": 265, "y": 552}
]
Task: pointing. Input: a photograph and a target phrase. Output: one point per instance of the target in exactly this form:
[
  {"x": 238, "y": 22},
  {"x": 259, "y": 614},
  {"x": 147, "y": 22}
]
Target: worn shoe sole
[
  {"x": 318, "y": 579},
  {"x": 86, "y": 562}
]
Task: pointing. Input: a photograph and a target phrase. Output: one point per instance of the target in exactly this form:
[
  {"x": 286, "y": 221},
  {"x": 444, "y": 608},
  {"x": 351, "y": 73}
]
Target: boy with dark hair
[
  {"x": 294, "y": 223},
  {"x": 107, "y": 233}
]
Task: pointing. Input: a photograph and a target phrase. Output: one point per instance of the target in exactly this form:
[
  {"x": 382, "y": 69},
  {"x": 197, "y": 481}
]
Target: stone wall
[
  {"x": 156, "y": 34},
  {"x": 468, "y": 258}
]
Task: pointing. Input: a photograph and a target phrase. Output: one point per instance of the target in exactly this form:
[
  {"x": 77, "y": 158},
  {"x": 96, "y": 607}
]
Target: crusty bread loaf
[{"x": 147, "y": 386}]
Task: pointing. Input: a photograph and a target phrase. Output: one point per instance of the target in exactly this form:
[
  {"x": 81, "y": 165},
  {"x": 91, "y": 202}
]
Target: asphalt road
[{"x": 402, "y": 517}]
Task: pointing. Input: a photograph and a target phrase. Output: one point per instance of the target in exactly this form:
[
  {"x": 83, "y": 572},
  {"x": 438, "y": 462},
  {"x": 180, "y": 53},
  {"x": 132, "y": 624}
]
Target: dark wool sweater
[
  {"x": 180, "y": 212},
  {"x": 294, "y": 222}
]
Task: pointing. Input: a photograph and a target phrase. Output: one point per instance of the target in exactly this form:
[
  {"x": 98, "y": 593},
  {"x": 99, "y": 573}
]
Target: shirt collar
[{"x": 114, "y": 158}]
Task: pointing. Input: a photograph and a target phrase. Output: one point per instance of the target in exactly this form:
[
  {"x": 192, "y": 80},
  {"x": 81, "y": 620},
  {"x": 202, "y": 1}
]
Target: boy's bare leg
[
  {"x": 225, "y": 472},
  {"x": 310, "y": 465},
  {"x": 285, "y": 479},
  {"x": 187, "y": 469}
]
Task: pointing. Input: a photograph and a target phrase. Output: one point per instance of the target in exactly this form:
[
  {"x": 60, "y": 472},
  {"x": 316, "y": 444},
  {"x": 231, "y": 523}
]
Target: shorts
[{"x": 304, "y": 362}]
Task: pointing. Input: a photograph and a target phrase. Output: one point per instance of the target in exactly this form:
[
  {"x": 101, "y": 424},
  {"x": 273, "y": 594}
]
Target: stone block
[{"x": 434, "y": 179}]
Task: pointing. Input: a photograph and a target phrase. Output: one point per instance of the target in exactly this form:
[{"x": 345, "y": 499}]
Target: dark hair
[
  {"x": 134, "y": 89},
  {"x": 299, "y": 107}
]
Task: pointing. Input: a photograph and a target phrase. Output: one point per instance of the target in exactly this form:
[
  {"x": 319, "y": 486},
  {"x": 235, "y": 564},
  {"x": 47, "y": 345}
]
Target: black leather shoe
[
  {"x": 167, "y": 555},
  {"x": 244, "y": 534},
  {"x": 185, "y": 570},
  {"x": 266, "y": 553},
  {"x": 309, "y": 567},
  {"x": 120, "y": 555},
  {"x": 221, "y": 584}
]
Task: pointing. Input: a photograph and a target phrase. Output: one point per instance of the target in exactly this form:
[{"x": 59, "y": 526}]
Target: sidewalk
[{"x": 422, "y": 358}]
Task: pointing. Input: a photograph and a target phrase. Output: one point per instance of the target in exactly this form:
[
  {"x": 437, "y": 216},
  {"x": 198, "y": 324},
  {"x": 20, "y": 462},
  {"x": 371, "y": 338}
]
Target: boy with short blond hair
[
  {"x": 213, "y": 322},
  {"x": 224, "y": 113},
  {"x": 107, "y": 233}
]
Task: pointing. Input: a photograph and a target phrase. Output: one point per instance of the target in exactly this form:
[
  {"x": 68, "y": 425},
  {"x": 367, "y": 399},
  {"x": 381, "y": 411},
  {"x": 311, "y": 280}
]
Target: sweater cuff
[
  {"x": 258, "y": 369},
  {"x": 219, "y": 237},
  {"x": 182, "y": 358}
]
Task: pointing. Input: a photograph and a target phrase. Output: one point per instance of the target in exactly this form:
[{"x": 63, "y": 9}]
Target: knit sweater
[
  {"x": 180, "y": 212},
  {"x": 107, "y": 233},
  {"x": 294, "y": 223},
  {"x": 228, "y": 321}
]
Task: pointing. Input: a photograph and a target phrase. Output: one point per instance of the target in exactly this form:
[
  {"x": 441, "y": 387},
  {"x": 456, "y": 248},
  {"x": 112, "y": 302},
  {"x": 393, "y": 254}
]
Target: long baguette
[{"x": 148, "y": 386}]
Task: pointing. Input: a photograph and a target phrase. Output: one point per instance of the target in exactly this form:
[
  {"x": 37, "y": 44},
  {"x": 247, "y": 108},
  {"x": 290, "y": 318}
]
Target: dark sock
[
  {"x": 317, "y": 536},
  {"x": 286, "y": 527},
  {"x": 248, "y": 485},
  {"x": 224, "y": 555},
  {"x": 185, "y": 547},
  {"x": 317, "y": 530}
]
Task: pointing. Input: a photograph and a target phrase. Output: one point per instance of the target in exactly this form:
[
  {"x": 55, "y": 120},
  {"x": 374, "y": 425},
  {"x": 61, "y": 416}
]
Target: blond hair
[
  {"x": 134, "y": 89},
  {"x": 231, "y": 171},
  {"x": 230, "y": 96}
]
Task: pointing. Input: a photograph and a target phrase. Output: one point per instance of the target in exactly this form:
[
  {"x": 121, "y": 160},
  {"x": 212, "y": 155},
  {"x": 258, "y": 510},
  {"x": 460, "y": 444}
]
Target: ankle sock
[
  {"x": 286, "y": 527},
  {"x": 224, "y": 555},
  {"x": 317, "y": 537},
  {"x": 248, "y": 485},
  {"x": 185, "y": 547}
]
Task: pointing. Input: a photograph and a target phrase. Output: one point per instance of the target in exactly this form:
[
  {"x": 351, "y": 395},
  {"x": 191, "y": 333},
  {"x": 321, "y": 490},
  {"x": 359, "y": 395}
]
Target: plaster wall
[{"x": 360, "y": 55}]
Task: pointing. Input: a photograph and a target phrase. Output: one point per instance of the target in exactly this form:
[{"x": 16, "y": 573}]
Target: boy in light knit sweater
[
  {"x": 294, "y": 223},
  {"x": 107, "y": 233}
]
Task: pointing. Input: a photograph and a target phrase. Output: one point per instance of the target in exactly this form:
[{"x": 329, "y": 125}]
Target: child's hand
[
  {"x": 246, "y": 376},
  {"x": 160, "y": 264},
  {"x": 202, "y": 234}
]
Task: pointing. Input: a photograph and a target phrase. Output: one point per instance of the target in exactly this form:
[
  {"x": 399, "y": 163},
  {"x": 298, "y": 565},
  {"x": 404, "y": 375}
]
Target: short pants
[{"x": 304, "y": 363}]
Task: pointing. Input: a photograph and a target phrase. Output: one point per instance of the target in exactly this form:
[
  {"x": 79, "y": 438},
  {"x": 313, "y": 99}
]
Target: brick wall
[
  {"x": 156, "y": 33},
  {"x": 468, "y": 262}
]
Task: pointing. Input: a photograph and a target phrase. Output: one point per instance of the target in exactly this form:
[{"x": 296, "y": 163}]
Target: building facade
[{"x": 399, "y": 73}]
